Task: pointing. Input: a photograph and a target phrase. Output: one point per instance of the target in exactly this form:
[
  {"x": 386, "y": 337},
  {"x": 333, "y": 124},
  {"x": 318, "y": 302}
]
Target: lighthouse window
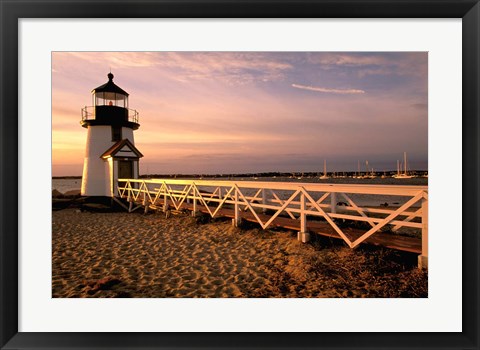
[
  {"x": 116, "y": 133},
  {"x": 111, "y": 99}
]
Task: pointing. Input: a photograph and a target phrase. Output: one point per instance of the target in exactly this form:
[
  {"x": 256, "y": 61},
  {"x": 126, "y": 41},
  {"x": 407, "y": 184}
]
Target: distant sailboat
[
  {"x": 324, "y": 176},
  {"x": 403, "y": 175},
  {"x": 358, "y": 175},
  {"x": 372, "y": 174},
  {"x": 398, "y": 169}
]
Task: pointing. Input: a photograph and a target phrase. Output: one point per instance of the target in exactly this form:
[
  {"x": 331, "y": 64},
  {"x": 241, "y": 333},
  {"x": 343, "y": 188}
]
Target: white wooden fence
[{"x": 297, "y": 200}]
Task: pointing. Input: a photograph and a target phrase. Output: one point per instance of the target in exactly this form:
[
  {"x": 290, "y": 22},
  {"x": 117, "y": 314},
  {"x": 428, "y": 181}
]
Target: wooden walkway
[{"x": 389, "y": 240}]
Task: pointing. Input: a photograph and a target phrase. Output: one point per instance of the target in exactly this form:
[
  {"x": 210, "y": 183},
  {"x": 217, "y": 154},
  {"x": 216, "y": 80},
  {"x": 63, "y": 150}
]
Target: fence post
[
  {"x": 129, "y": 197},
  {"x": 194, "y": 211},
  {"x": 423, "y": 259},
  {"x": 303, "y": 235},
  {"x": 145, "y": 202},
  {"x": 165, "y": 204},
  {"x": 236, "y": 220},
  {"x": 264, "y": 201},
  {"x": 333, "y": 202}
]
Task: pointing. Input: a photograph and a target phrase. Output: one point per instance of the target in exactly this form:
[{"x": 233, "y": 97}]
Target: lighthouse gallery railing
[
  {"x": 88, "y": 113},
  {"x": 298, "y": 201}
]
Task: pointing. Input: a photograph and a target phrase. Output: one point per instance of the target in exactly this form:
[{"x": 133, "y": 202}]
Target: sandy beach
[{"x": 150, "y": 256}]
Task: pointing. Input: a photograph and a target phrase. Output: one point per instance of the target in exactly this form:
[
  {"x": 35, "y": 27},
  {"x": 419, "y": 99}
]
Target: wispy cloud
[
  {"x": 346, "y": 59},
  {"x": 235, "y": 68},
  {"x": 114, "y": 60},
  {"x": 380, "y": 63},
  {"x": 328, "y": 91}
]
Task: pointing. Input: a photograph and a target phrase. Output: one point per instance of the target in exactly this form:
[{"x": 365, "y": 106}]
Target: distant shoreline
[{"x": 262, "y": 174}]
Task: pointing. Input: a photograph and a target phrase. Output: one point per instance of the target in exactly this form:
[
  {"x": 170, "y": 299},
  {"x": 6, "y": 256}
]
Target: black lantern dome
[
  {"x": 110, "y": 107},
  {"x": 110, "y": 90}
]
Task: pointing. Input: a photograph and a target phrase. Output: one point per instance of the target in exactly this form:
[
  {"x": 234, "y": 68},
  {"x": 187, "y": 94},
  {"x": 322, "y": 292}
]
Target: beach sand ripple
[{"x": 135, "y": 255}]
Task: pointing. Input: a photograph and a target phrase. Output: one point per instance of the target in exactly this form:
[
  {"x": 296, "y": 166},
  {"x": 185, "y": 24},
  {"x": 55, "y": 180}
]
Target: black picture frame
[{"x": 11, "y": 11}]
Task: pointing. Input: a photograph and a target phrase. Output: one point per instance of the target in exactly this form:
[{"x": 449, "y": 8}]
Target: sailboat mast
[{"x": 405, "y": 161}]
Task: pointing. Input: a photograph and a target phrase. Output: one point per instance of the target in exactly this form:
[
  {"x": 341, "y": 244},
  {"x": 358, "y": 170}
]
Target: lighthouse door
[{"x": 125, "y": 170}]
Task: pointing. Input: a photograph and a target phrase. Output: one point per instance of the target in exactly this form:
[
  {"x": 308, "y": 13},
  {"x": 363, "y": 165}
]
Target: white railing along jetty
[{"x": 264, "y": 202}]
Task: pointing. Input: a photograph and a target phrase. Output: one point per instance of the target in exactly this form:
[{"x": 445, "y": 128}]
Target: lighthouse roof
[
  {"x": 110, "y": 86},
  {"x": 123, "y": 148}
]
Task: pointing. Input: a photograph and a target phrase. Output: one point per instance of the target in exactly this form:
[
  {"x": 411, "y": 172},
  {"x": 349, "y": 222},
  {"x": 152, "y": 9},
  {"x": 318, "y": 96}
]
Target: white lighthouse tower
[{"x": 110, "y": 152}]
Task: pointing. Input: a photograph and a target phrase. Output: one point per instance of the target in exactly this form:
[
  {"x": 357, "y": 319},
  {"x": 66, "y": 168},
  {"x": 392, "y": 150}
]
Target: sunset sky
[{"x": 249, "y": 112}]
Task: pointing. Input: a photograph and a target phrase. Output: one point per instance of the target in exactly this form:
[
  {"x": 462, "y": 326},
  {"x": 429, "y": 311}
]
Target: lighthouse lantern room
[{"x": 110, "y": 152}]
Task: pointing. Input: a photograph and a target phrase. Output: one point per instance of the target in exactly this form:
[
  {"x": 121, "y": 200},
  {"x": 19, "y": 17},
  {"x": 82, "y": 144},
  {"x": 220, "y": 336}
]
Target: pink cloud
[{"x": 327, "y": 90}]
